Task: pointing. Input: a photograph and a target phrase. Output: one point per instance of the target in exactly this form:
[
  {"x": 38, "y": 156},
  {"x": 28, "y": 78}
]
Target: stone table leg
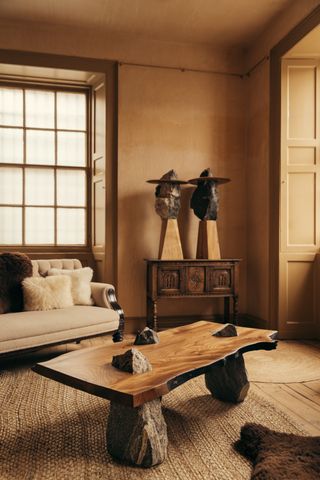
[
  {"x": 227, "y": 380},
  {"x": 137, "y": 435}
]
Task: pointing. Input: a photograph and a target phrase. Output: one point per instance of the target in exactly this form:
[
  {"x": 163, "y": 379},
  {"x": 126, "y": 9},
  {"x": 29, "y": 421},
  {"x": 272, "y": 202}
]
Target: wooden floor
[{"x": 301, "y": 401}]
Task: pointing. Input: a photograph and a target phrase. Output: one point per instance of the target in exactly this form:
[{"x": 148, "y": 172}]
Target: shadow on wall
[
  {"x": 188, "y": 225},
  {"x": 138, "y": 238}
]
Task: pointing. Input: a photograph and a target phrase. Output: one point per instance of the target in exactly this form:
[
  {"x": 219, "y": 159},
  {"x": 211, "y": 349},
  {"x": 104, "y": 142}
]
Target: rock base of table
[
  {"x": 227, "y": 380},
  {"x": 137, "y": 436}
]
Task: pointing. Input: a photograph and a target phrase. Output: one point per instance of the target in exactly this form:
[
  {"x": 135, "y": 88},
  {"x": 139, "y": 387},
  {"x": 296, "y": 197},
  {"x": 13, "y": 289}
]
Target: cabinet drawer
[
  {"x": 170, "y": 281},
  {"x": 219, "y": 280}
]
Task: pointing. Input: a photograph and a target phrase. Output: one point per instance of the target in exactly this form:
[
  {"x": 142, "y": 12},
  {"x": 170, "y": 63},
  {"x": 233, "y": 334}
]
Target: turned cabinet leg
[
  {"x": 226, "y": 309},
  {"x": 149, "y": 312},
  {"x": 137, "y": 435},
  {"x": 152, "y": 319},
  {"x": 227, "y": 380},
  {"x": 235, "y": 309},
  {"x": 155, "y": 316}
]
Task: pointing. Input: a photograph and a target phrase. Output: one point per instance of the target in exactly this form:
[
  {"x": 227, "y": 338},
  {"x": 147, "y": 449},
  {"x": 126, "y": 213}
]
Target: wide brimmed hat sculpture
[
  {"x": 205, "y": 204},
  {"x": 167, "y": 206}
]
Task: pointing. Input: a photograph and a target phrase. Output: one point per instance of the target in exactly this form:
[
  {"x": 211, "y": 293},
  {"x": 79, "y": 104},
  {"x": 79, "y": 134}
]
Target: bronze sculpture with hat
[
  {"x": 167, "y": 206},
  {"x": 205, "y": 204}
]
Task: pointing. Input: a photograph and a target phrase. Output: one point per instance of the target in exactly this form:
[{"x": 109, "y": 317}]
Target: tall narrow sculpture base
[
  {"x": 208, "y": 240},
  {"x": 170, "y": 244}
]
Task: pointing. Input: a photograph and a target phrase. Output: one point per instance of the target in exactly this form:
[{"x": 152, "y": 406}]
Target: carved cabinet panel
[
  {"x": 169, "y": 281},
  {"x": 195, "y": 280},
  {"x": 219, "y": 279}
]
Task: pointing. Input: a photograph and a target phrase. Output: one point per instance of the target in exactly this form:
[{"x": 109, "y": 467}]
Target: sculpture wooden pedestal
[
  {"x": 170, "y": 244},
  {"x": 208, "y": 240}
]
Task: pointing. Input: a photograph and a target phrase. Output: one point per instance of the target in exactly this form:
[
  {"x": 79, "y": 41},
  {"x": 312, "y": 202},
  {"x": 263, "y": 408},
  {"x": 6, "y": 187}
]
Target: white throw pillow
[
  {"x": 80, "y": 283},
  {"x": 47, "y": 293}
]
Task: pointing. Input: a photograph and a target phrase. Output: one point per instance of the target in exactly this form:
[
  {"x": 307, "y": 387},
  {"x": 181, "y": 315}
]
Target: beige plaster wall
[
  {"x": 257, "y": 157},
  {"x": 167, "y": 119},
  {"x": 187, "y": 121},
  {"x": 83, "y": 42}
]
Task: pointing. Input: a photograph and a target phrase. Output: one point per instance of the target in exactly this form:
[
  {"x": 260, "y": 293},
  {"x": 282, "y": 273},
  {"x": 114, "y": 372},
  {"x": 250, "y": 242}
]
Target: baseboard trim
[{"x": 133, "y": 324}]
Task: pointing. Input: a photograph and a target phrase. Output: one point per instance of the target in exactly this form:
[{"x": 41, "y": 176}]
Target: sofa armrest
[
  {"x": 99, "y": 293},
  {"x": 104, "y": 295}
]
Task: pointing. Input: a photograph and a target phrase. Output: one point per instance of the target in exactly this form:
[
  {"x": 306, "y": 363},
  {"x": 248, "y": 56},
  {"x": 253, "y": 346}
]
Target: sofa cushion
[
  {"x": 47, "y": 293},
  {"x": 32, "y": 329},
  {"x": 80, "y": 283},
  {"x": 41, "y": 267},
  {"x": 14, "y": 267}
]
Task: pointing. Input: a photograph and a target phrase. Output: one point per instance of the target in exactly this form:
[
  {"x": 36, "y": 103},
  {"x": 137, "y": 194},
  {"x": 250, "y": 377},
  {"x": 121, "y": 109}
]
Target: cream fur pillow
[
  {"x": 47, "y": 293},
  {"x": 80, "y": 283}
]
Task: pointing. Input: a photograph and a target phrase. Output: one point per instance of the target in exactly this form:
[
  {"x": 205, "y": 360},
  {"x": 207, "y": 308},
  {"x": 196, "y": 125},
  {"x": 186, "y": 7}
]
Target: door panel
[
  {"x": 301, "y": 83},
  {"x": 301, "y": 209},
  {"x": 301, "y": 155}
]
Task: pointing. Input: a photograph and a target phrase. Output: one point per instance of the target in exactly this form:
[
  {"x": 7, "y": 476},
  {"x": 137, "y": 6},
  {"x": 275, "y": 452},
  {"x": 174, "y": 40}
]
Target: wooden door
[
  {"x": 299, "y": 197},
  {"x": 98, "y": 188}
]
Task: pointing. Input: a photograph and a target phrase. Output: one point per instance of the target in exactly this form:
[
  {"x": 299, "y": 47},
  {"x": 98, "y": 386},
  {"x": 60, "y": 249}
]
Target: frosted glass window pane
[
  {"x": 10, "y": 225},
  {"x": 39, "y": 226},
  {"x": 39, "y": 186},
  {"x": 72, "y": 149},
  {"x": 40, "y": 147},
  {"x": 71, "y": 188},
  {"x": 11, "y": 145},
  {"x": 39, "y": 109},
  {"x": 11, "y": 186},
  {"x": 70, "y": 226},
  {"x": 11, "y": 107},
  {"x": 71, "y": 111}
]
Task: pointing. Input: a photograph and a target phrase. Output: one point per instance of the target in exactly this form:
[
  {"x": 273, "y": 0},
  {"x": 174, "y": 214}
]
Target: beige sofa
[{"x": 25, "y": 331}]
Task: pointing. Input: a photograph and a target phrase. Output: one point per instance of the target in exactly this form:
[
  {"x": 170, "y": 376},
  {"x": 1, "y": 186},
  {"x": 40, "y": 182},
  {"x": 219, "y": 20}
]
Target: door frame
[{"x": 276, "y": 54}]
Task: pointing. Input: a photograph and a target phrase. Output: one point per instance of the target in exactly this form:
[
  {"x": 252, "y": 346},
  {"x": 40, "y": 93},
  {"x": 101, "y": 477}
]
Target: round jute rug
[
  {"x": 49, "y": 431},
  {"x": 291, "y": 362}
]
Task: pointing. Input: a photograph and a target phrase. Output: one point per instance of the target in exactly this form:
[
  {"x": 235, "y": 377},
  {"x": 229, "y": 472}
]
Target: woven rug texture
[{"x": 49, "y": 431}]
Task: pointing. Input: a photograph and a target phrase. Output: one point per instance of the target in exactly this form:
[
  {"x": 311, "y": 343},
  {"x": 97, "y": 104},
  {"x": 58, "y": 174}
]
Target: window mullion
[
  {"x": 24, "y": 170},
  {"x": 55, "y": 170}
]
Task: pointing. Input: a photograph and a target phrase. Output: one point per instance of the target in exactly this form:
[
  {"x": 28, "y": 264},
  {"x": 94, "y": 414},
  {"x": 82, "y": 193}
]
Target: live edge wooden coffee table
[{"x": 136, "y": 429}]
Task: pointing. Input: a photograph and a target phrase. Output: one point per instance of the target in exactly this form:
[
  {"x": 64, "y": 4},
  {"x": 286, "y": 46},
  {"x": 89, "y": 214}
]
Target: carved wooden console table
[{"x": 192, "y": 278}]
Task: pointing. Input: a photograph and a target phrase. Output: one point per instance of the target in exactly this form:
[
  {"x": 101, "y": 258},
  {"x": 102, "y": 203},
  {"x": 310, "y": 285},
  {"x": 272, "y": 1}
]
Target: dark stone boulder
[
  {"x": 132, "y": 361},
  {"x": 146, "y": 337},
  {"x": 227, "y": 330}
]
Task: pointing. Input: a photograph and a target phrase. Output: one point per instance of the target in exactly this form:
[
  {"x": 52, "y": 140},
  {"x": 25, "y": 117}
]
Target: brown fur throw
[
  {"x": 14, "y": 267},
  {"x": 279, "y": 456}
]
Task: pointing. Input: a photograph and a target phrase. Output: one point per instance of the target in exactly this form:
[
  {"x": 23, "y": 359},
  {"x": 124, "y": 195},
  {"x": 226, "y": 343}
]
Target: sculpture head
[
  {"x": 167, "y": 204},
  {"x": 205, "y": 199}
]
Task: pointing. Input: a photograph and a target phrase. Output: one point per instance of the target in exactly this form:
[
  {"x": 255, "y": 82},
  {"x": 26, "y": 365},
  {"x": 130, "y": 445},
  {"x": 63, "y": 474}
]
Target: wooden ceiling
[{"x": 224, "y": 23}]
